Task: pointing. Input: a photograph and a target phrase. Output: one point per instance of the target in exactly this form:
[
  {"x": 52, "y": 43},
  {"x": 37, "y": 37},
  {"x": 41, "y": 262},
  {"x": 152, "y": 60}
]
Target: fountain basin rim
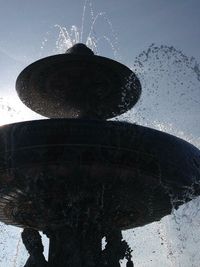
[{"x": 135, "y": 157}]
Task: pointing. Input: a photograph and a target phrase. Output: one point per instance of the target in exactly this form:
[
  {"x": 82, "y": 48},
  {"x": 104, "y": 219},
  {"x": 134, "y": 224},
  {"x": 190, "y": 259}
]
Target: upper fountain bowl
[{"x": 78, "y": 84}]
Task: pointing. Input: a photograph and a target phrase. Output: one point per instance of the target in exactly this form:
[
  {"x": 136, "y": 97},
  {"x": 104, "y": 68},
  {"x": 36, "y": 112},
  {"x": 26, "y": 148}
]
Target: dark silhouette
[
  {"x": 33, "y": 243},
  {"x": 79, "y": 178}
]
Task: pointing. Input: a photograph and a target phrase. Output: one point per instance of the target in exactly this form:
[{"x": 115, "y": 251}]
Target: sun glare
[{"x": 12, "y": 110}]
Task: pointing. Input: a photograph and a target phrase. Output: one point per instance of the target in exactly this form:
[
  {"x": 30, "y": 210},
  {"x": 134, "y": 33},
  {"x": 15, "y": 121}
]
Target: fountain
[{"x": 79, "y": 178}]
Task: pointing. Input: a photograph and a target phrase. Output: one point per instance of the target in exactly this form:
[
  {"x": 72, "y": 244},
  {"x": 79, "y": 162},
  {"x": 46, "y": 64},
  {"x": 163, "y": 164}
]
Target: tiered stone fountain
[{"x": 79, "y": 178}]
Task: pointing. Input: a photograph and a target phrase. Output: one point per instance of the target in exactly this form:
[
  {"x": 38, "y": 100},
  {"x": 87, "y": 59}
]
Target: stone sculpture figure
[{"x": 33, "y": 243}]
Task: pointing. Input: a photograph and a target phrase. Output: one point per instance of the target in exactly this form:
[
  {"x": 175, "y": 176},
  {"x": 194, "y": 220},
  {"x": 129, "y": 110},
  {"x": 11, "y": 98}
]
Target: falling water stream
[{"x": 170, "y": 102}]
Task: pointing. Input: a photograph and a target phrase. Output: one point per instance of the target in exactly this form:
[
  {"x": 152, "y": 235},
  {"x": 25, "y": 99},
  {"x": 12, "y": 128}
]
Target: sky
[{"x": 168, "y": 70}]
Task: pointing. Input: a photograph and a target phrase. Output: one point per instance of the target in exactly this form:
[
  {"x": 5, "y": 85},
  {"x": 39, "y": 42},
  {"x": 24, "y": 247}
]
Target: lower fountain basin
[{"x": 54, "y": 172}]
